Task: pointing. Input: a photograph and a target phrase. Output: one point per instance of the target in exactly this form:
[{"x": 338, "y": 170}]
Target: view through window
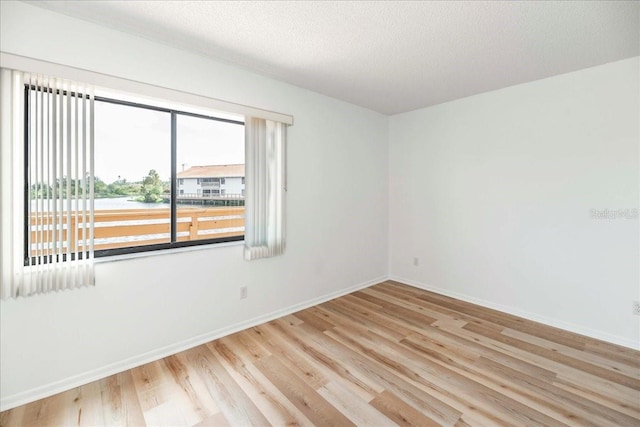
[{"x": 164, "y": 178}]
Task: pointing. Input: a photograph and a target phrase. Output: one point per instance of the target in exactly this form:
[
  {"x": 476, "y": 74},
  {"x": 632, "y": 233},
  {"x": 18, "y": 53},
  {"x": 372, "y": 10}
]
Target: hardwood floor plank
[
  {"x": 518, "y": 390},
  {"x": 247, "y": 342},
  {"x": 386, "y": 355},
  {"x": 204, "y": 405},
  {"x": 56, "y": 410},
  {"x": 584, "y": 356},
  {"x": 166, "y": 414},
  {"x": 401, "y": 413},
  {"x": 375, "y": 378},
  {"x": 402, "y": 314},
  {"x": 558, "y": 357},
  {"x": 312, "y": 320},
  {"x": 283, "y": 349},
  {"x": 360, "y": 412},
  {"x": 171, "y": 393},
  {"x": 187, "y": 391},
  {"x": 147, "y": 380},
  {"x": 572, "y": 377},
  {"x": 120, "y": 402},
  {"x": 235, "y": 405},
  {"x": 400, "y": 369},
  {"x": 13, "y": 417},
  {"x": 631, "y": 411},
  {"x": 269, "y": 400},
  {"x": 401, "y": 299},
  {"x": 291, "y": 319},
  {"x": 412, "y": 297},
  {"x": 503, "y": 384},
  {"x": 350, "y": 316},
  {"x": 590, "y": 412},
  {"x": 89, "y": 404},
  {"x": 475, "y": 389},
  {"x": 367, "y": 318},
  {"x": 502, "y": 319},
  {"x": 306, "y": 399},
  {"x": 458, "y": 336},
  {"x": 463, "y": 423},
  {"x": 625, "y": 401},
  {"x": 303, "y": 336},
  {"x": 613, "y": 352},
  {"x": 217, "y": 420}
]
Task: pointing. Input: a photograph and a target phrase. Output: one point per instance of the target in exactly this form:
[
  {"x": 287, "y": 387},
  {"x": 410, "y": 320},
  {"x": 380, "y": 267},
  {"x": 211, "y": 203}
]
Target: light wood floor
[{"x": 390, "y": 354}]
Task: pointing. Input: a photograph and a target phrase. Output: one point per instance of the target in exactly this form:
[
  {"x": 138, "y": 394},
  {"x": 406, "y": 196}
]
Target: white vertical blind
[
  {"x": 47, "y": 150},
  {"x": 265, "y": 180},
  {"x": 12, "y": 209}
]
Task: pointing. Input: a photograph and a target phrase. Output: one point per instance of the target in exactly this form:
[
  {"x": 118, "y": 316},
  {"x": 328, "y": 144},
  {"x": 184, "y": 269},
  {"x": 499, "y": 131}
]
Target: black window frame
[{"x": 173, "y": 243}]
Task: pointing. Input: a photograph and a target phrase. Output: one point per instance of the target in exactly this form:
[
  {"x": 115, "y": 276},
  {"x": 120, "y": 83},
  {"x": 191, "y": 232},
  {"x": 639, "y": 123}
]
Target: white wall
[
  {"x": 146, "y": 307},
  {"x": 190, "y": 186},
  {"x": 493, "y": 194},
  {"x": 233, "y": 185}
]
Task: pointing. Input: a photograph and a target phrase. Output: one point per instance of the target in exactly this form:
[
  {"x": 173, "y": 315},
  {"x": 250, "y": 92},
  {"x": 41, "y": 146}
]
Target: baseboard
[
  {"x": 613, "y": 339},
  {"x": 8, "y": 402}
]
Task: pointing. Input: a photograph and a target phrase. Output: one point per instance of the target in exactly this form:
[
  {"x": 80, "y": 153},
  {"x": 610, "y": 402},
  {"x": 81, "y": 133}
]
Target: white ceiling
[{"x": 389, "y": 56}]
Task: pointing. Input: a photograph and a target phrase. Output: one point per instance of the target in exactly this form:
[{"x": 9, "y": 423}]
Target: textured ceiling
[{"x": 389, "y": 56}]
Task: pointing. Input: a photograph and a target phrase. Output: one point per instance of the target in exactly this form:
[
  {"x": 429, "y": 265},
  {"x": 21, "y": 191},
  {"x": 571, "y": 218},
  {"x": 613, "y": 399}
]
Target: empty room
[{"x": 371, "y": 213}]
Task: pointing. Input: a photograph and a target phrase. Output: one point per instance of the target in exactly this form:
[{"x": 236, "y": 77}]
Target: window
[
  {"x": 47, "y": 151},
  {"x": 138, "y": 206}
]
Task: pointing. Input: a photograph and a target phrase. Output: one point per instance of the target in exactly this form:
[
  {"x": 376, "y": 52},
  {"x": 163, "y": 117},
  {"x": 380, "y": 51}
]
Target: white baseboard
[
  {"x": 11, "y": 401},
  {"x": 524, "y": 314}
]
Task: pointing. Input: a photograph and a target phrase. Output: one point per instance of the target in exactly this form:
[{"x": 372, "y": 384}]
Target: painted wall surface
[
  {"x": 233, "y": 185},
  {"x": 496, "y": 195},
  {"x": 336, "y": 224},
  {"x": 190, "y": 186}
]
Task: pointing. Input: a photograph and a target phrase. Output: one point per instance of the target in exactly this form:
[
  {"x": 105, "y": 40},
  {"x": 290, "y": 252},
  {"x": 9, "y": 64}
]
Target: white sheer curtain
[
  {"x": 46, "y": 146},
  {"x": 265, "y": 182}
]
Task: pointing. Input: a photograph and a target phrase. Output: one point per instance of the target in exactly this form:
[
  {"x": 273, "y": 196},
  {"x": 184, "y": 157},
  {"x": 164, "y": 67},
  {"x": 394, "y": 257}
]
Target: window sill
[{"x": 164, "y": 252}]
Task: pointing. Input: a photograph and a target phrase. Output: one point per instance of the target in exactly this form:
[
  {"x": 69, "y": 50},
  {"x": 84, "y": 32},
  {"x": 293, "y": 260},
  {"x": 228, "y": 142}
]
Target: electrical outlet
[
  {"x": 416, "y": 261},
  {"x": 636, "y": 308},
  {"x": 243, "y": 292}
]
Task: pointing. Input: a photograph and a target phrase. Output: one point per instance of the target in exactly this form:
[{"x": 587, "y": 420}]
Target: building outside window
[{"x": 206, "y": 181}]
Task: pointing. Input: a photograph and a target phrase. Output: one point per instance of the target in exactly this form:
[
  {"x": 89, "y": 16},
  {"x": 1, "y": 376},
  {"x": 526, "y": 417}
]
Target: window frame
[{"x": 174, "y": 184}]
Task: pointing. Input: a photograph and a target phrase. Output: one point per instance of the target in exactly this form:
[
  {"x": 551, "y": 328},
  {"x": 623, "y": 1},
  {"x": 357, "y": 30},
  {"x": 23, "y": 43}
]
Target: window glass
[
  {"x": 210, "y": 153},
  {"x": 132, "y": 176}
]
